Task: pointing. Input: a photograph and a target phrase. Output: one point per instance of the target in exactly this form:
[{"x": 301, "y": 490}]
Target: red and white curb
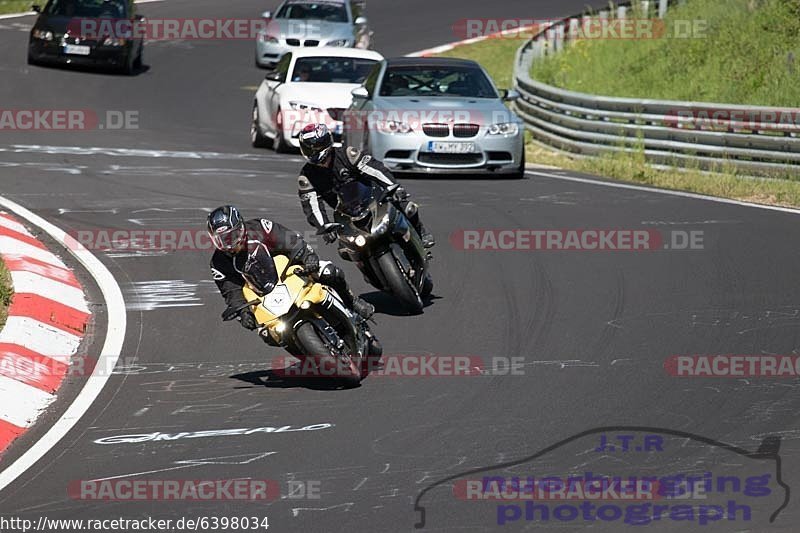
[{"x": 46, "y": 323}]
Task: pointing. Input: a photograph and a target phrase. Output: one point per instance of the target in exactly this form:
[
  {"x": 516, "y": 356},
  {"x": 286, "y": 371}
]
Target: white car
[{"x": 311, "y": 85}]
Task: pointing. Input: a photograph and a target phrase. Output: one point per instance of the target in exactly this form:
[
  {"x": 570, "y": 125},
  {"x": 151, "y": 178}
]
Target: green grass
[
  {"x": 6, "y": 292},
  {"x": 497, "y": 57},
  {"x": 17, "y": 6},
  {"x": 749, "y": 54}
]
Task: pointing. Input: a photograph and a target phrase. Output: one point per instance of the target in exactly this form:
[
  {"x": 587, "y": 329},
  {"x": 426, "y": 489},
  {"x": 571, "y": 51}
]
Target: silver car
[
  {"x": 299, "y": 23},
  {"x": 436, "y": 115}
]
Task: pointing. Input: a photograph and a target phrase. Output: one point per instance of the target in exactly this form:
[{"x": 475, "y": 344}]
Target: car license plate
[
  {"x": 440, "y": 147},
  {"x": 77, "y": 50}
]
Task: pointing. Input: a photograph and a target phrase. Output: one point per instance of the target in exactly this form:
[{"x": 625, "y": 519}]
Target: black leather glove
[
  {"x": 248, "y": 319},
  {"x": 311, "y": 263},
  {"x": 330, "y": 237}
]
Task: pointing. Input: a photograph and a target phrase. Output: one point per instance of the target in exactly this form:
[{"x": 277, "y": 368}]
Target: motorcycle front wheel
[
  {"x": 399, "y": 285},
  {"x": 327, "y": 363}
]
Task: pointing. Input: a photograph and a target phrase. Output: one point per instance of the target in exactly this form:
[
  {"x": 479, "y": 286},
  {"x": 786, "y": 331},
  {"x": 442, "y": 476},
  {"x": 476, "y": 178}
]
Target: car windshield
[
  {"x": 332, "y": 69},
  {"x": 418, "y": 80},
  {"x": 330, "y": 11},
  {"x": 354, "y": 199},
  {"x": 86, "y": 8}
]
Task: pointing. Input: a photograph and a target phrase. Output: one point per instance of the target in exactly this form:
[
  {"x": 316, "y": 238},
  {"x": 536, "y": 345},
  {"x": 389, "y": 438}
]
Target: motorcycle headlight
[
  {"x": 303, "y": 106},
  {"x": 393, "y": 126},
  {"x": 360, "y": 241},
  {"x": 280, "y": 327},
  {"x": 339, "y": 42},
  {"x": 111, "y": 41},
  {"x": 43, "y": 35},
  {"x": 382, "y": 226},
  {"x": 504, "y": 128}
]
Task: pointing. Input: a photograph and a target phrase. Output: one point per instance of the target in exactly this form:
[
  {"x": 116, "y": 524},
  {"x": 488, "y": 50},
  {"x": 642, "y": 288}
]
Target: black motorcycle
[{"x": 375, "y": 234}]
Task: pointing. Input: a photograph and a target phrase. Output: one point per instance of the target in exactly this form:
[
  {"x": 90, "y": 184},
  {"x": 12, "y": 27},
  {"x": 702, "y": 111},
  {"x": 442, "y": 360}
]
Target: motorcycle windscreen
[
  {"x": 355, "y": 199},
  {"x": 260, "y": 272}
]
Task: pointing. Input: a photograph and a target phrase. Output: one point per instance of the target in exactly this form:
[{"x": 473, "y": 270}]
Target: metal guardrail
[{"x": 753, "y": 139}]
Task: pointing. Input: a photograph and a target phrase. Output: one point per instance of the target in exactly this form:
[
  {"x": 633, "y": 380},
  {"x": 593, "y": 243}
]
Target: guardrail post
[
  {"x": 559, "y": 44},
  {"x": 622, "y": 12},
  {"x": 662, "y": 8},
  {"x": 645, "y": 8}
]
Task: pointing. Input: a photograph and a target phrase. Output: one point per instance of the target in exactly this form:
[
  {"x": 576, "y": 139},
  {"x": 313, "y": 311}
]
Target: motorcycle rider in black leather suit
[
  {"x": 329, "y": 167},
  {"x": 238, "y": 244}
]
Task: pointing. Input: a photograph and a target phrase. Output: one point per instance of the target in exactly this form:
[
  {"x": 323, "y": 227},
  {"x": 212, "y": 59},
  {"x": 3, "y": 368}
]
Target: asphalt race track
[{"x": 593, "y": 329}]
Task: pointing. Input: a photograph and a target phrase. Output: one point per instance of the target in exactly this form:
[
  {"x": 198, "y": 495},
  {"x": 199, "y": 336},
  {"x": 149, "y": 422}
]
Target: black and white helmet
[
  {"x": 226, "y": 229},
  {"x": 316, "y": 143}
]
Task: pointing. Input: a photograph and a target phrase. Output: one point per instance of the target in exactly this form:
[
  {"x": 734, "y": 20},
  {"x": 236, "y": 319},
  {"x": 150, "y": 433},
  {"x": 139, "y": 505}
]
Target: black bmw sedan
[{"x": 66, "y": 32}]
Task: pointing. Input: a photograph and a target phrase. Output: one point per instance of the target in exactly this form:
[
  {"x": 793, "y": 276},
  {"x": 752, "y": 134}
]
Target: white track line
[
  {"x": 683, "y": 194},
  {"x": 112, "y": 347}
]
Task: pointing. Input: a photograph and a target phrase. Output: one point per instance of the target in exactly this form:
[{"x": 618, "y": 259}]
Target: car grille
[
  {"x": 436, "y": 130},
  {"x": 465, "y": 130},
  {"x": 308, "y": 42},
  {"x": 76, "y": 39},
  {"x": 336, "y": 113},
  {"x": 449, "y": 159}
]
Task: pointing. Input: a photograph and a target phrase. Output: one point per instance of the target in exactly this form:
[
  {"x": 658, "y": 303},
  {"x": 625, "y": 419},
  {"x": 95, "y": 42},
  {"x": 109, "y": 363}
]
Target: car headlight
[
  {"x": 303, "y": 106},
  {"x": 339, "y": 42},
  {"x": 393, "y": 126},
  {"x": 44, "y": 35},
  {"x": 382, "y": 226},
  {"x": 505, "y": 128},
  {"x": 111, "y": 41},
  {"x": 267, "y": 38}
]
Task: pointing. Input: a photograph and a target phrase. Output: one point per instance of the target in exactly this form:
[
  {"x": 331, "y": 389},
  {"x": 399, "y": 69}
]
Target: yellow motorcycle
[{"x": 309, "y": 320}]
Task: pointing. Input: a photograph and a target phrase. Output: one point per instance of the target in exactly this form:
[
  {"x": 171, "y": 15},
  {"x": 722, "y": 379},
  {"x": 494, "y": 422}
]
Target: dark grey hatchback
[{"x": 59, "y": 35}]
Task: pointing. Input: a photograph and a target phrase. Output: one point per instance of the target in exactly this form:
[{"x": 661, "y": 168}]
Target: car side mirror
[
  {"x": 509, "y": 95},
  {"x": 361, "y": 21},
  {"x": 274, "y": 76},
  {"x": 360, "y": 93},
  {"x": 37, "y": 8},
  {"x": 266, "y": 14},
  {"x": 140, "y": 18}
]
